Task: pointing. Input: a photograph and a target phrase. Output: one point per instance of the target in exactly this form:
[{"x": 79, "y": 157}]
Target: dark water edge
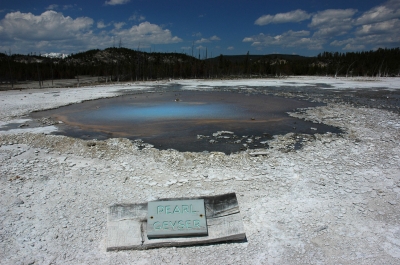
[{"x": 252, "y": 119}]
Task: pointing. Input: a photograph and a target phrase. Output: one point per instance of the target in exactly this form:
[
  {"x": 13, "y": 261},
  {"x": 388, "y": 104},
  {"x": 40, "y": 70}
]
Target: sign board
[{"x": 176, "y": 218}]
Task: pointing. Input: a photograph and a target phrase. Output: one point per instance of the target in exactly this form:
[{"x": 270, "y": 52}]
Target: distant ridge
[
  {"x": 123, "y": 64},
  {"x": 241, "y": 58}
]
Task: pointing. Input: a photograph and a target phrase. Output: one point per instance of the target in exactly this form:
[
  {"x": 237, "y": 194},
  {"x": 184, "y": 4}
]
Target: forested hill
[
  {"x": 241, "y": 58},
  {"x": 122, "y": 64}
]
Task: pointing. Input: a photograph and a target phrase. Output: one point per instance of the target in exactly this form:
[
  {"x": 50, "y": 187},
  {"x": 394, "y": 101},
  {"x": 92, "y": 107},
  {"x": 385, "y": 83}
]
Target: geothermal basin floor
[{"x": 333, "y": 201}]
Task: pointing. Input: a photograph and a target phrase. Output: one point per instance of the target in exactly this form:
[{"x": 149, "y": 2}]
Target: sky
[{"x": 229, "y": 27}]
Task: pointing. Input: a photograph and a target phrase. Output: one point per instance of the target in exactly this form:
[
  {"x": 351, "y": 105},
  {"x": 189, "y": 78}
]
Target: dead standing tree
[
  {"x": 10, "y": 68},
  {"x": 38, "y": 72},
  {"x": 52, "y": 75},
  {"x": 347, "y": 72},
  {"x": 338, "y": 68},
  {"x": 380, "y": 69}
]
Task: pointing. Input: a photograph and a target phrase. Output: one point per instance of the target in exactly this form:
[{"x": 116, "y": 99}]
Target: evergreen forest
[{"x": 122, "y": 64}]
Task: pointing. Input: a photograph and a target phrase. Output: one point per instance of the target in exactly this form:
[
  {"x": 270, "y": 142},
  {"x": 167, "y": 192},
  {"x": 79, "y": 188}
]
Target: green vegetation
[{"x": 122, "y": 64}]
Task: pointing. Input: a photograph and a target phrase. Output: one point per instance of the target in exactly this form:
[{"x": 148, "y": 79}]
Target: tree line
[{"x": 122, "y": 64}]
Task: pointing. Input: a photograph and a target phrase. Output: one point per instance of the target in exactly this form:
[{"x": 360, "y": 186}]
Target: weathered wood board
[{"x": 127, "y": 225}]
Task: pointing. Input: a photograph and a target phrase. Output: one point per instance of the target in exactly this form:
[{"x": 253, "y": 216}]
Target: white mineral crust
[{"x": 334, "y": 201}]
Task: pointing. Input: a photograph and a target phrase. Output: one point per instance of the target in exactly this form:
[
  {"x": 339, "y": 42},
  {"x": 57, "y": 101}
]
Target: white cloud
[
  {"x": 119, "y": 25},
  {"x": 351, "y": 47},
  {"x": 65, "y": 7},
  {"x": 52, "y": 7},
  {"x": 324, "y": 25},
  {"x": 339, "y": 43},
  {"x": 206, "y": 40},
  {"x": 332, "y": 22},
  {"x": 137, "y": 17},
  {"x": 202, "y": 40},
  {"x": 293, "y": 16},
  {"x": 385, "y": 27},
  {"x": 278, "y": 39},
  {"x": 100, "y": 24},
  {"x": 372, "y": 41},
  {"x": 116, "y": 2},
  {"x": 287, "y": 39},
  {"x": 231, "y": 48},
  {"x": 332, "y": 16},
  {"x": 387, "y": 11},
  {"x": 330, "y": 32},
  {"x": 52, "y": 31},
  {"x": 146, "y": 33},
  {"x": 49, "y": 25},
  {"x": 345, "y": 28},
  {"x": 377, "y": 27}
]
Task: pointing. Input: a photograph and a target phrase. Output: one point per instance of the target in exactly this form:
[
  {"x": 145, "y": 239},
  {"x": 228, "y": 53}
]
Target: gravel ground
[{"x": 334, "y": 201}]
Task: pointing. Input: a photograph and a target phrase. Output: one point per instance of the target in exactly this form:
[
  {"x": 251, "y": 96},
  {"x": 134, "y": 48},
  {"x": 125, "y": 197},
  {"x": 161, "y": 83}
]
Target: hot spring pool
[{"x": 186, "y": 120}]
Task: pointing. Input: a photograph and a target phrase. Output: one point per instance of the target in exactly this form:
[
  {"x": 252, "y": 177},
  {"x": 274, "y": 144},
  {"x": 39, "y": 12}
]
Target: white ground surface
[{"x": 335, "y": 201}]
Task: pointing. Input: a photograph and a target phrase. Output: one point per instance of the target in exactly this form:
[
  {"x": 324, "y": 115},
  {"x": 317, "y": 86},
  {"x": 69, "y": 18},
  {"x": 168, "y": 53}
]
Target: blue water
[
  {"x": 158, "y": 119},
  {"x": 174, "y": 110}
]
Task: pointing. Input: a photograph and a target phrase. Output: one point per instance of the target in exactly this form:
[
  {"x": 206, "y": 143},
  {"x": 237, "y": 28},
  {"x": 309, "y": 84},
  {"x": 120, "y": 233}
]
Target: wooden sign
[
  {"x": 128, "y": 224},
  {"x": 176, "y": 218}
]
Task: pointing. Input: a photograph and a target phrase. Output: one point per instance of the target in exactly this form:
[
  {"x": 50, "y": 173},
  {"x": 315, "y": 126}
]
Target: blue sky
[{"x": 305, "y": 27}]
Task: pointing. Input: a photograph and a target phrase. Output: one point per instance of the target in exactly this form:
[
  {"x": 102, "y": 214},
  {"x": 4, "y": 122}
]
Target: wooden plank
[{"x": 127, "y": 223}]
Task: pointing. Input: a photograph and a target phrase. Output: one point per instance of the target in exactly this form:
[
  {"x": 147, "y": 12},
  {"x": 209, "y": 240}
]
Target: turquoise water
[
  {"x": 176, "y": 119},
  {"x": 174, "y": 110}
]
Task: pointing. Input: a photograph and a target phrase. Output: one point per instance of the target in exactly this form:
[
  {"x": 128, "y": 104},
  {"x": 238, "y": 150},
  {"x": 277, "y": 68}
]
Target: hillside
[{"x": 122, "y": 64}]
